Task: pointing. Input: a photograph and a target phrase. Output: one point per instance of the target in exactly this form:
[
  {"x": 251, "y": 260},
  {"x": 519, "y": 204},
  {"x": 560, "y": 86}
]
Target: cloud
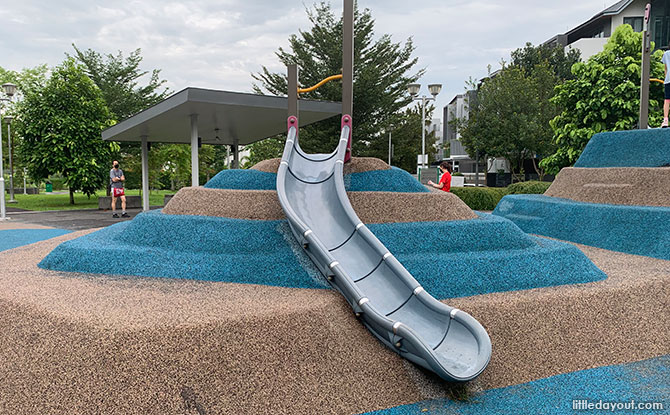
[{"x": 220, "y": 43}]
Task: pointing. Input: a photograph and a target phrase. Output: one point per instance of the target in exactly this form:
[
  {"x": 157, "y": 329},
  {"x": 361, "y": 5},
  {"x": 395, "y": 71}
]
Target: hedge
[
  {"x": 528, "y": 188},
  {"x": 480, "y": 198},
  {"x": 486, "y": 198}
]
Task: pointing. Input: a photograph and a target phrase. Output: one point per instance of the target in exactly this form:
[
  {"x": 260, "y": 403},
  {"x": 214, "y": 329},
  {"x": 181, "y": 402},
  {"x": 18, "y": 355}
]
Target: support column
[
  {"x": 145, "y": 174},
  {"x": 236, "y": 153},
  {"x": 292, "y": 92},
  {"x": 195, "y": 166},
  {"x": 348, "y": 58},
  {"x": 348, "y": 67},
  {"x": 643, "y": 122}
]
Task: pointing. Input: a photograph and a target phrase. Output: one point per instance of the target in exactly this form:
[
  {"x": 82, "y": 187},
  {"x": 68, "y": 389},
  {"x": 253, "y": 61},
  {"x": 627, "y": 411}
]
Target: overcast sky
[{"x": 219, "y": 43}]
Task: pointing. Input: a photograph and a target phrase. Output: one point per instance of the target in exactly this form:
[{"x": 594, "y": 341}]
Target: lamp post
[
  {"x": 413, "y": 90},
  {"x": 8, "y": 120},
  {"x": 10, "y": 90},
  {"x": 3, "y": 213}
]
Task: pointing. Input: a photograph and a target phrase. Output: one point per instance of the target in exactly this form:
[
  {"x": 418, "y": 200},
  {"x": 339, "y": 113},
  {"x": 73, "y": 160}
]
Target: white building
[{"x": 590, "y": 36}]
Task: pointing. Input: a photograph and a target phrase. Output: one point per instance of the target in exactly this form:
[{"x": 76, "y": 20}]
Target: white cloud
[{"x": 219, "y": 43}]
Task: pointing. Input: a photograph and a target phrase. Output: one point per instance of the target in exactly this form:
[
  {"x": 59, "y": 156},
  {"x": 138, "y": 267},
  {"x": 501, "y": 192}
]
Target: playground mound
[
  {"x": 127, "y": 345},
  {"x": 192, "y": 313},
  {"x": 492, "y": 252},
  {"x": 356, "y": 165},
  {"x": 385, "y": 180},
  {"x": 633, "y": 186},
  {"x": 371, "y": 207},
  {"x": 617, "y": 196},
  {"x": 634, "y": 148}
]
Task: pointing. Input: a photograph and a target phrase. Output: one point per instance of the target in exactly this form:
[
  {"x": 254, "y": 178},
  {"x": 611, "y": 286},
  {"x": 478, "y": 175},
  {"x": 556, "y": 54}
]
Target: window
[{"x": 635, "y": 22}]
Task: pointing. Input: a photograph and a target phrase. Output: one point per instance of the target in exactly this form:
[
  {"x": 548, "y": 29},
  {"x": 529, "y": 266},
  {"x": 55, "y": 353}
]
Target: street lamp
[
  {"x": 8, "y": 120},
  {"x": 413, "y": 90},
  {"x": 3, "y": 213},
  {"x": 10, "y": 90}
]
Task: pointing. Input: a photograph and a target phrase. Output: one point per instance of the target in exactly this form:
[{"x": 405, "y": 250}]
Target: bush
[
  {"x": 480, "y": 198},
  {"x": 528, "y": 188},
  {"x": 486, "y": 198}
]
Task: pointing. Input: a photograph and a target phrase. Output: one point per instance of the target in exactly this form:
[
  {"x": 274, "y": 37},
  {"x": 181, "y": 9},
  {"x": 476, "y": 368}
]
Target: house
[
  {"x": 590, "y": 36},
  {"x": 457, "y": 109}
]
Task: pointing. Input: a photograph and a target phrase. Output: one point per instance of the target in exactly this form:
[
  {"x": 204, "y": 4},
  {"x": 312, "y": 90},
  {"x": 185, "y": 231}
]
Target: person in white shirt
[{"x": 666, "y": 85}]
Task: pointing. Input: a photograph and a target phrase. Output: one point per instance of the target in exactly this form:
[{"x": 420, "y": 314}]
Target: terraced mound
[
  {"x": 438, "y": 254},
  {"x": 221, "y": 233},
  {"x": 85, "y": 344},
  {"x": 616, "y": 197},
  {"x": 634, "y": 186},
  {"x": 239, "y": 321}
]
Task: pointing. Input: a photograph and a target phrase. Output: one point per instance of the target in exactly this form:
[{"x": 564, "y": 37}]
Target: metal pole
[
  {"x": 390, "y": 148},
  {"x": 423, "y": 132},
  {"x": 11, "y": 164},
  {"x": 227, "y": 156},
  {"x": 24, "y": 181},
  {"x": 236, "y": 153},
  {"x": 2, "y": 180},
  {"x": 195, "y": 173},
  {"x": 292, "y": 90},
  {"x": 145, "y": 174},
  {"x": 644, "y": 82},
  {"x": 348, "y": 66},
  {"x": 348, "y": 58}
]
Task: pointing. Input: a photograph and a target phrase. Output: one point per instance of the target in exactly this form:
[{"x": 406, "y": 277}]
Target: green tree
[
  {"x": 119, "y": 80},
  {"x": 61, "y": 126},
  {"x": 26, "y": 80},
  {"x": 265, "y": 149},
  {"x": 406, "y": 138},
  {"x": 604, "y": 96},
  {"x": 510, "y": 117},
  {"x": 382, "y": 71},
  {"x": 127, "y": 90},
  {"x": 529, "y": 57}
]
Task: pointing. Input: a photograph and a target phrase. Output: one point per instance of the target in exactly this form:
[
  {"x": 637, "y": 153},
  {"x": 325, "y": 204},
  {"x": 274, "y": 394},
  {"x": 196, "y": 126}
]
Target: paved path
[{"x": 71, "y": 219}]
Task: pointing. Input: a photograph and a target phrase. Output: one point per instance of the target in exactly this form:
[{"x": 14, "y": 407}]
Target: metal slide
[{"x": 388, "y": 300}]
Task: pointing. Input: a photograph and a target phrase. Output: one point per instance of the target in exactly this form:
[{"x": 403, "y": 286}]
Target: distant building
[
  {"x": 457, "y": 109},
  {"x": 591, "y": 36},
  {"x": 435, "y": 127}
]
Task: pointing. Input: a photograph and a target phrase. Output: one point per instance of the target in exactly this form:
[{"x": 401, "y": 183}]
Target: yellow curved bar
[
  {"x": 656, "y": 80},
  {"x": 312, "y": 88}
]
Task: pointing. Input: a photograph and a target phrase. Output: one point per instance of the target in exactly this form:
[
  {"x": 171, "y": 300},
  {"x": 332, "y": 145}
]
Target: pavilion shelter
[{"x": 198, "y": 116}]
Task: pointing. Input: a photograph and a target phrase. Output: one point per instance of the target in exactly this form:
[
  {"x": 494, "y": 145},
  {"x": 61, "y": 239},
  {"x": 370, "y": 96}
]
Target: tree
[
  {"x": 26, "y": 80},
  {"x": 61, "y": 126},
  {"x": 382, "y": 71},
  {"x": 529, "y": 57},
  {"x": 127, "y": 92},
  {"x": 510, "y": 117},
  {"x": 266, "y": 149},
  {"x": 119, "y": 81},
  {"x": 406, "y": 139},
  {"x": 603, "y": 96}
]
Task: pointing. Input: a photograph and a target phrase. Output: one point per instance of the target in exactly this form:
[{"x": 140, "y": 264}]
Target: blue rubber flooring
[
  {"x": 634, "y": 148},
  {"x": 13, "y": 238},
  {"x": 450, "y": 259},
  {"x": 394, "y": 180},
  {"x": 640, "y": 230},
  {"x": 647, "y": 381}
]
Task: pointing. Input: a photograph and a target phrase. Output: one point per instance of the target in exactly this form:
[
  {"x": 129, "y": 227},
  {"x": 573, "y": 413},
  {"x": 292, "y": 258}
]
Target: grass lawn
[{"x": 48, "y": 201}]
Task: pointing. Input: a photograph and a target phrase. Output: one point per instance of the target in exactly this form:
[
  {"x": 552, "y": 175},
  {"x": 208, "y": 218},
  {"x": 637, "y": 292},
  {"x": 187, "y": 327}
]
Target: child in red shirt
[{"x": 445, "y": 179}]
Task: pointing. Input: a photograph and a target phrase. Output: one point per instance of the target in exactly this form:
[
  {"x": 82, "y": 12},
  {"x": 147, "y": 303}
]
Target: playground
[{"x": 321, "y": 284}]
